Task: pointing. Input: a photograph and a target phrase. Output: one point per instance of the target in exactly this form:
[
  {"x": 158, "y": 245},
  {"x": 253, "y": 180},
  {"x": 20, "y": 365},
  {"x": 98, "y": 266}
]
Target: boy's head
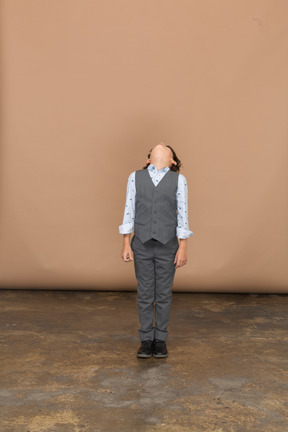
[{"x": 163, "y": 155}]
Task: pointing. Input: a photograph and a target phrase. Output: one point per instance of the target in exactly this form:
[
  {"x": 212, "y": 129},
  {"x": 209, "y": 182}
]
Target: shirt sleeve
[
  {"x": 182, "y": 229},
  {"x": 129, "y": 211}
]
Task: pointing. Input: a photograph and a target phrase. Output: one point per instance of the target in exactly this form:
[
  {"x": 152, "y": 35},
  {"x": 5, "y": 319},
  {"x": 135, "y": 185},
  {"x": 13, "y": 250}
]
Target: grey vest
[{"x": 155, "y": 206}]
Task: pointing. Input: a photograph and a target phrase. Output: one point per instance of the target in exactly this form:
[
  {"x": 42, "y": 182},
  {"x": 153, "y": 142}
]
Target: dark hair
[{"x": 173, "y": 167}]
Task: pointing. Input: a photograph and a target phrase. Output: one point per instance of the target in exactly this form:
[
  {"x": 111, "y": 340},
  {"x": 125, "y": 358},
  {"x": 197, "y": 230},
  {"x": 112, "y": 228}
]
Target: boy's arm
[
  {"x": 126, "y": 254},
  {"x": 183, "y": 243},
  {"x": 128, "y": 220},
  {"x": 126, "y": 239},
  {"x": 129, "y": 211},
  {"x": 181, "y": 254},
  {"x": 183, "y": 231}
]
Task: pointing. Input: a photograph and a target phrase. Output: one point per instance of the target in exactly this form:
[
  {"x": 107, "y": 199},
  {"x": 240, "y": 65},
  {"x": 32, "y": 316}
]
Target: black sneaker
[
  {"x": 160, "y": 349},
  {"x": 146, "y": 349}
]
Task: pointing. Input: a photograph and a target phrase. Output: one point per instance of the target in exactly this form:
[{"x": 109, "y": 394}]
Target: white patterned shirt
[{"x": 182, "y": 229}]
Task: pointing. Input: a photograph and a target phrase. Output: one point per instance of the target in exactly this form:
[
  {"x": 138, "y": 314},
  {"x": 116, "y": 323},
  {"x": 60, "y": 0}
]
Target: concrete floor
[{"x": 68, "y": 363}]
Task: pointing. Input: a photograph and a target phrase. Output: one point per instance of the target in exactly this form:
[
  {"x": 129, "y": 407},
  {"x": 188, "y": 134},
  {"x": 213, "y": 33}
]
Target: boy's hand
[
  {"x": 181, "y": 254},
  {"x": 127, "y": 253}
]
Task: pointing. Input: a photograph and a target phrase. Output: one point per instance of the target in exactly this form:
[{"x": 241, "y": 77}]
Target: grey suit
[{"x": 154, "y": 246}]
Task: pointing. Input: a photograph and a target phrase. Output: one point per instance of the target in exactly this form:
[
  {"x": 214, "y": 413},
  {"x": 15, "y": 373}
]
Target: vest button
[
  {"x": 154, "y": 221},
  {"x": 155, "y": 211}
]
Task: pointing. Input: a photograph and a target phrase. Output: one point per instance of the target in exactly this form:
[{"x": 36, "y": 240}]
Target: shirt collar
[{"x": 152, "y": 168}]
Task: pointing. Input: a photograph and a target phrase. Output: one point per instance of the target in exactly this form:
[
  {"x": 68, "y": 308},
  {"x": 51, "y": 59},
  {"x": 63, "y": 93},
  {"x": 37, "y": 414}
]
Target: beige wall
[{"x": 88, "y": 87}]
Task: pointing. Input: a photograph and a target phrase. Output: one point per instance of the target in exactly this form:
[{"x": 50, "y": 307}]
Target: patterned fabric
[{"x": 156, "y": 175}]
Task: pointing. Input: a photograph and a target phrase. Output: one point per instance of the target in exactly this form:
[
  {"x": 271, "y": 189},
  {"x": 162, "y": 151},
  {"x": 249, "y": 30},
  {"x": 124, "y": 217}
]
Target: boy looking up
[{"x": 157, "y": 209}]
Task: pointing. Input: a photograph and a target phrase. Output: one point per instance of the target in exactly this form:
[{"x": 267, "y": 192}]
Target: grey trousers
[{"x": 154, "y": 270}]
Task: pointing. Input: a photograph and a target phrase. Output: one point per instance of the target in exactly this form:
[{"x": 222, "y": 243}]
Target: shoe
[
  {"x": 160, "y": 349},
  {"x": 146, "y": 349}
]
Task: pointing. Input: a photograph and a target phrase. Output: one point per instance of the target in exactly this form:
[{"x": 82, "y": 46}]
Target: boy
[{"x": 157, "y": 207}]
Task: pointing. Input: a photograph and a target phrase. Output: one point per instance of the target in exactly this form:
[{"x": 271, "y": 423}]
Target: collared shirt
[{"x": 182, "y": 229}]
